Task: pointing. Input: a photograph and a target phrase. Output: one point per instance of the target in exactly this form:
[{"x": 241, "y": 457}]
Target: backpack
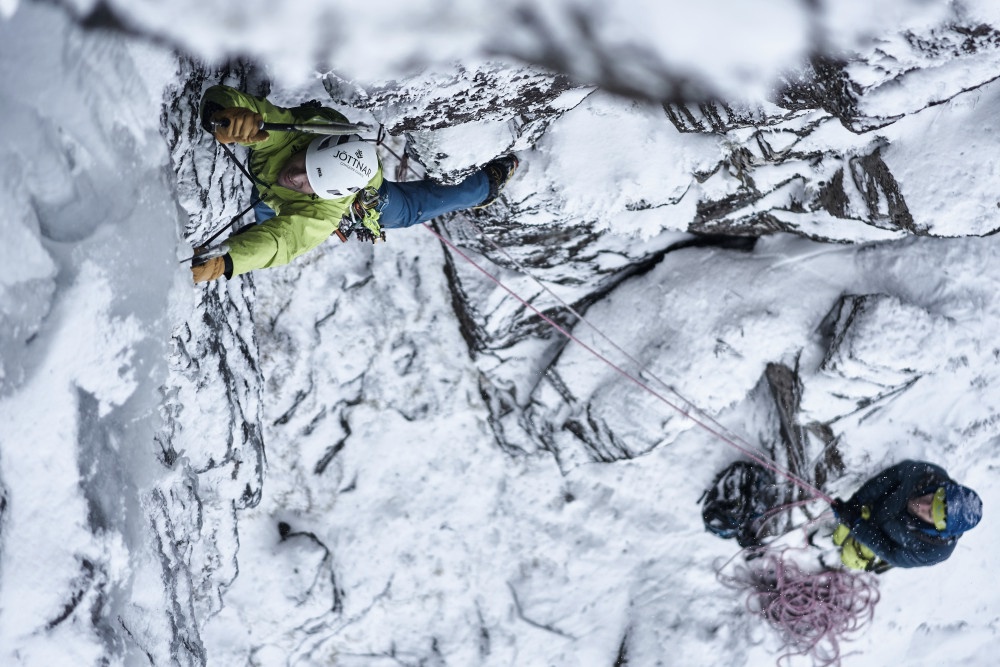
[{"x": 735, "y": 504}]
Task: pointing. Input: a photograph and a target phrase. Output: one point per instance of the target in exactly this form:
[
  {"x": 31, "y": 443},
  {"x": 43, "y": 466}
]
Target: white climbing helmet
[{"x": 338, "y": 170}]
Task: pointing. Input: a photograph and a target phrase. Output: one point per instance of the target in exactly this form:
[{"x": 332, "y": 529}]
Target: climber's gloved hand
[
  {"x": 847, "y": 512},
  {"x": 210, "y": 269},
  {"x": 238, "y": 124}
]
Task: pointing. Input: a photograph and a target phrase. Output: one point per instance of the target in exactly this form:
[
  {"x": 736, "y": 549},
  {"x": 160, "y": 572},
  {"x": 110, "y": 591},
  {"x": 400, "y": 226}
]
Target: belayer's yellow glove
[
  {"x": 238, "y": 124},
  {"x": 210, "y": 270}
]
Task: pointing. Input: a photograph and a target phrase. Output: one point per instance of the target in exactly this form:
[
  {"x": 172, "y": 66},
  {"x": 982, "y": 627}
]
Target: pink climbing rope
[
  {"x": 813, "y": 612},
  {"x": 702, "y": 423},
  {"x": 778, "y": 511}
]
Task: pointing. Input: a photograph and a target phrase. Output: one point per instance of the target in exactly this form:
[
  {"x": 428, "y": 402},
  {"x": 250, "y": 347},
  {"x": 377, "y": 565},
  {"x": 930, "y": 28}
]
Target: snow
[
  {"x": 625, "y": 145},
  {"x": 391, "y": 527},
  {"x": 945, "y": 144}
]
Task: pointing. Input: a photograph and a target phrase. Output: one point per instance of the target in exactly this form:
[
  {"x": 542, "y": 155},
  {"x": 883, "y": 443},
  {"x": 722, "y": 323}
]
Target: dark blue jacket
[{"x": 895, "y": 535}]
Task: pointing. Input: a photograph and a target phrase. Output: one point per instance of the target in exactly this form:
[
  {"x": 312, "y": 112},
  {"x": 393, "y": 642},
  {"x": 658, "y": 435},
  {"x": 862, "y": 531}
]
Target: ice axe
[{"x": 307, "y": 128}]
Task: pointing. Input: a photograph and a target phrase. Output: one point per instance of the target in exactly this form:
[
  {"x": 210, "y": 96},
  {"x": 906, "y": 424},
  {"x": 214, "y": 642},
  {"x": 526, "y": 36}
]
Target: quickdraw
[{"x": 361, "y": 218}]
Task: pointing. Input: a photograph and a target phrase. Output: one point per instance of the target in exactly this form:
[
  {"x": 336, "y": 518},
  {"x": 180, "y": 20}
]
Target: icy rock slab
[{"x": 878, "y": 346}]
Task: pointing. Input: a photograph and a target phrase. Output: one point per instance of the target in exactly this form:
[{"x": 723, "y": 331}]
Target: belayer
[
  {"x": 313, "y": 187},
  {"x": 908, "y": 515}
]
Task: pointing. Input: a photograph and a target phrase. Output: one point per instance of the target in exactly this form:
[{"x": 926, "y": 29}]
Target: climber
[
  {"x": 909, "y": 515},
  {"x": 312, "y": 188}
]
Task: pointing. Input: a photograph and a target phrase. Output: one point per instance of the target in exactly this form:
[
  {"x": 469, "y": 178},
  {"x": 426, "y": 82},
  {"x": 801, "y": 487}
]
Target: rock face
[
  {"x": 406, "y": 462},
  {"x": 437, "y": 101},
  {"x": 216, "y": 354},
  {"x": 856, "y": 376},
  {"x": 880, "y": 86},
  {"x": 821, "y": 161},
  {"x": 212, "y": 438},
  {"x": 789, "y": 171}
]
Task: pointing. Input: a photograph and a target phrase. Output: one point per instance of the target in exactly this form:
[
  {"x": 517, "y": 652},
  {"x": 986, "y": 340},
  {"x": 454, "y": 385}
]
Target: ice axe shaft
[
  {"x": 307, "y": 128},
  {"x": 324, "y": 128}
]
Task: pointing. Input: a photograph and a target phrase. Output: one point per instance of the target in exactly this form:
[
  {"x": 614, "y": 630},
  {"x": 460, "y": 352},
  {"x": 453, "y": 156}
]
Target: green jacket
[{"x": 302, "y": 221}]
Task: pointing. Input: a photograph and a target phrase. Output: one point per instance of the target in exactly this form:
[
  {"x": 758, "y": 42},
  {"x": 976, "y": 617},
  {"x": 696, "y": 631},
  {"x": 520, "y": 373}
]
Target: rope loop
[{"x": 812, "y": 612}]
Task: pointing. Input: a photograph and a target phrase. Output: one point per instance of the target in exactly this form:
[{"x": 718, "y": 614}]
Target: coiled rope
[{"x": 812, "y": 612}]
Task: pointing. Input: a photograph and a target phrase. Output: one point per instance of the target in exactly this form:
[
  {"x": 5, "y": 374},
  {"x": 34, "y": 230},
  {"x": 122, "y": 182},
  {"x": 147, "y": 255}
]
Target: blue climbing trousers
[{"x": 411, "y": 203}]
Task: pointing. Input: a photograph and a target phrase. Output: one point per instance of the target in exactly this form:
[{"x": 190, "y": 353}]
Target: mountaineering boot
[{"x": 498, "y": 172}]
